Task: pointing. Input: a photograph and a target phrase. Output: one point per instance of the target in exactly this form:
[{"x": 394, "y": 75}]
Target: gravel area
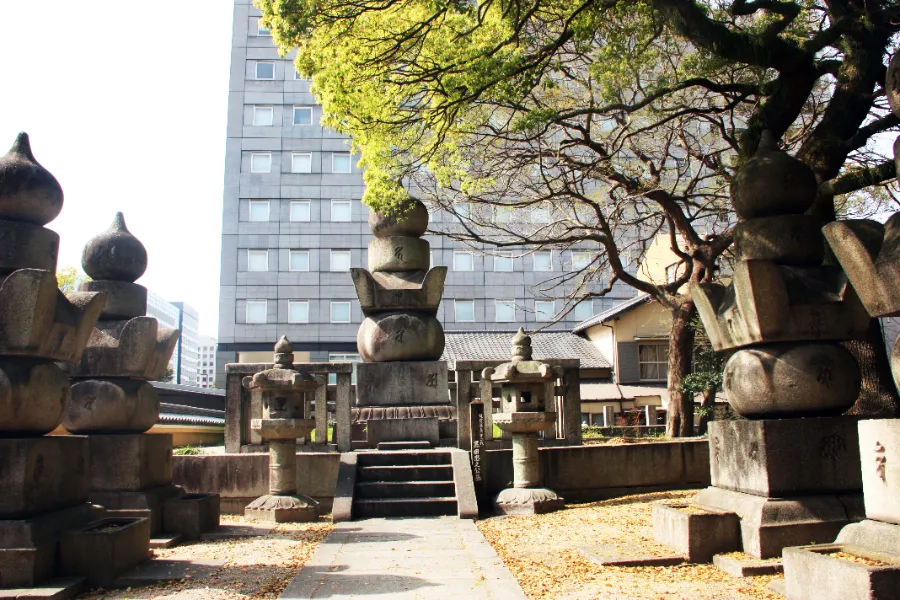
[
  {"x": 254, "y": 567},
  {"x": 543, "y": 552}
]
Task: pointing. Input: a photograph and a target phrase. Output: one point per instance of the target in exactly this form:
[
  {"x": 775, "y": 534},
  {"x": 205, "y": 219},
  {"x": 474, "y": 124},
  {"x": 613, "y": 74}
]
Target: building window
[
  {"x": 503, "y": 262},
  {"x": 543, "y": 260},
  {"x": 256, "y": 311},
  {"x": 340, "y": 211},
  {"x": 544, "y": 310},
  {"x": 301, "y": 162},
  {"x": 302, "y": 114},
  {"x": 340, "y": 162},
  {"x": 257, "y": 260},
  {"x": 300, "y": 210},
  {"x": 464, "y": 210},
  {"x": 580, "y": 260},
  {"x": 299, "y": 260},
  {"x": 263, "y": 116},
  {"x": 653, "y": 362},
  {"x": 464, "y": 311},
  {"x": 351, "y": 358},
  {"x": 260, "y": 162},
  {"x": 463, "y": 261},
  {"x": 340, "y": 312},
  {"x": 265, "y": 70},
  {"x": 340, "y": 260},
  {"x": 261, "y": 29},
  {"x": 298, "y": 311},
  {"x": 672, "y": 273},
  {"x": 505, "y": 311},
  {"x": 540, "y": 214},
  {"x": 297, "y": 74},
  {"x": 583, "y": 311},
  {"x": 605, "y": 304},
  {"x": 259, "y": 210},
  {"x": 503, "y": 214}
]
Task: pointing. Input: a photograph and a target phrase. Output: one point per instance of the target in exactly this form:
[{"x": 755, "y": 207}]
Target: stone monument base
[
  {"x": 131, "y": 462},
  {"x": 29, "y": 547},
  {"x": 283, "y": 509},
  {"x": 403, "y": 430},
  {"x": 527, "y": 501},
  {"x": 770, "y": 524},
  {"x": 399, "y": 383}
]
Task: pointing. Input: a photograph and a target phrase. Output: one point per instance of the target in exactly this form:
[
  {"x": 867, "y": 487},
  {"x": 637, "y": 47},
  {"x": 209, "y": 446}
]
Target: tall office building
[
  {"x": 293, "y": 225},
  {"x": 207, "y": 372},
  {"x": 185, "y": 360}
]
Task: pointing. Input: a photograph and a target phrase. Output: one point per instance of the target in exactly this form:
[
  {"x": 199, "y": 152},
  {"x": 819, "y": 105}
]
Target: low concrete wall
[
  {"x": 241, "y": 478},
  {"x": 578, "y": 473},
  {"x": 588, "y": 473}
]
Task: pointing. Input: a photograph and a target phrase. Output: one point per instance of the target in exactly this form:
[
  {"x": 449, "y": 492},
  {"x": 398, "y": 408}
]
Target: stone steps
[
  {"x": 371, "y": 508},
  {"x": 405, "y": 489},
  {"x": 396, "y": 483}
]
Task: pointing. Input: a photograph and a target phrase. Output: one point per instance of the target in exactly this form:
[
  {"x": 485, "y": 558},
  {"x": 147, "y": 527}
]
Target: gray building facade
[{"x": 293, "y": 225}]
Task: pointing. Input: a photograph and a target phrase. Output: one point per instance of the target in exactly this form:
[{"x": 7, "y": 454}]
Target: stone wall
[{"x": 578, "y": 473}]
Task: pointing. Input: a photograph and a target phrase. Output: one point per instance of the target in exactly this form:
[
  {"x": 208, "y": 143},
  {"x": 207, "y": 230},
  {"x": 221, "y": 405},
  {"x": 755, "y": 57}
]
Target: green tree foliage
[
  {"x": 69, "y": 278},
  {"x": 625, "y": 119}
]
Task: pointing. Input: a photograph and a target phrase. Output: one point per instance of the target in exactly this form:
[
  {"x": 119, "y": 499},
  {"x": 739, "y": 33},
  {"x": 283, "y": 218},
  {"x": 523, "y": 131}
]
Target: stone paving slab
[
  {"x": 160, "y": 570},
  {"x": 63, "y": 588},
  {"x": 405, "y": 559}
]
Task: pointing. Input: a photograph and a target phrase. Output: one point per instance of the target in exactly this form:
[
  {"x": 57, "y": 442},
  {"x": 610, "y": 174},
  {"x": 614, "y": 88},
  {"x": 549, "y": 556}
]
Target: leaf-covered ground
[
  {"x": 254, "y": 567},
  {"x": 546, "y": 554}
]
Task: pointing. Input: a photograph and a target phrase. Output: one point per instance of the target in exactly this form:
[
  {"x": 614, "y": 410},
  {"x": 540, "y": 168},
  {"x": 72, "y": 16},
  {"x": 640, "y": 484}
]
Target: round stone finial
[
  {"x": 28, "y": 191},
  {"x": 411, "y": 222},
  {"x": 521, "y": 348},
  {"x": 115, "y": 254},
  {"x": 772, "y": 183},
  {"x": 284, "y": 352}
]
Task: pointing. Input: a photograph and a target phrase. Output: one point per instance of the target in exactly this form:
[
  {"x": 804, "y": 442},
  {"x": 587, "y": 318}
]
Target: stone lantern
[
  {"x": 525, "y": 387},
  {"x": 283, "y": 391}
]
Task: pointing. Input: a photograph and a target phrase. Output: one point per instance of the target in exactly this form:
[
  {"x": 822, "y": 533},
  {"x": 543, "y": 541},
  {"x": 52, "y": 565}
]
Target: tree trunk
[
  {"x": 706, "y": 404},
  {"x": 877, "y": 394},
  {"x": 680, "y": 417}
]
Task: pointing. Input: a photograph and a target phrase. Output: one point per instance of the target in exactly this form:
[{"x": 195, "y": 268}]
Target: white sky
[{"x": 125, "y": 103}]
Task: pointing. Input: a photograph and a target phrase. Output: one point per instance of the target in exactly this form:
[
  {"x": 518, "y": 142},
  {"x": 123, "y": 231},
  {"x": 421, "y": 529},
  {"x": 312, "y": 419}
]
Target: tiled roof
[
  {"x": 179, "y": 414},
  {"x": 497, "y": 345},
  {"x": 612, "y": 313}
]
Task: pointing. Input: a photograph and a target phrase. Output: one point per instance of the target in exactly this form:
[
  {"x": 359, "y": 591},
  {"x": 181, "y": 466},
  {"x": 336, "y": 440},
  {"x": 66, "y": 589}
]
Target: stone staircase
[{"x": 404, "y": 484}]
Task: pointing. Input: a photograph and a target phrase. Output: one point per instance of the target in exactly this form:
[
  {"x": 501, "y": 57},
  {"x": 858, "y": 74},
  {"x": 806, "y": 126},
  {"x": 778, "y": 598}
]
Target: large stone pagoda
[
  {"x": 402, "y": 392},
  {"x": 790, "y": 469},
  {"x": 44, "y": 479},
  {"x": 113, "y": 401}
]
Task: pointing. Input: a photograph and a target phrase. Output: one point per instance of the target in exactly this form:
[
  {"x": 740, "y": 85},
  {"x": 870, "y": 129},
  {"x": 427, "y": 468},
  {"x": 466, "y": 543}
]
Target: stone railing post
[
  {"x": 234, "y": 413},
  {"x": 572, "y": 406},
  {"x": 463, "y": 417},
  {"x": 342, "y": 412},
  {"x": 322, "y": 410}
]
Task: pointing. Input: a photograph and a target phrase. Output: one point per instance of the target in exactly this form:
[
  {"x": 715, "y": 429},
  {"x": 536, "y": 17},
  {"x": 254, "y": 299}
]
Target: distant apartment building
[
  {"x": 207, "y": 372},
  {"x": 185, "y": 361},
  {"x": 293, "y": 226}
]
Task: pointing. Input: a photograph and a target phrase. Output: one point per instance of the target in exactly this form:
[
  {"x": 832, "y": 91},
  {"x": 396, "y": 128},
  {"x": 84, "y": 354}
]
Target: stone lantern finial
[
  {"x": 284, "y": 352},
  {"x": 521, "y": 349}
]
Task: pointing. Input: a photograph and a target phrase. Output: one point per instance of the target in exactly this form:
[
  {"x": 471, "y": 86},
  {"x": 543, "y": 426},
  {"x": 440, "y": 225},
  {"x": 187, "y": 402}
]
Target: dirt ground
[{"x": 547, "y": 555}]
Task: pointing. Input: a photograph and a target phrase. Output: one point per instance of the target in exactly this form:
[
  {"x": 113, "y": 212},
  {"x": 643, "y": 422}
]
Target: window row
[
  {"x": 652, "y": 358},
  {"x": 264, "y": 70},
  {"x": 264, "y": 116},
  {"x": 301, "y": 162},
  {"x": 298, "y": 311},
  {"x": 260, "y": 211},
  {"x": 463, "y": 260},
  {"x": 542, "y": 213}
]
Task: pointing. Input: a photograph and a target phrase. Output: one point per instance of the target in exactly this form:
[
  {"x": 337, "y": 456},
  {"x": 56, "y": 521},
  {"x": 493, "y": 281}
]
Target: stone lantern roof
[
  {"x": 282, "y": 376},
  {"x": 522, "y": 369}
]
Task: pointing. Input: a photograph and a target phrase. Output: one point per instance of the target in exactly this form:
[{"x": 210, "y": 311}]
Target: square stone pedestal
[
  {"x": 402, "y": 383},
  {"x": 43, "y": 492},
  {"x": 403, "y": 430},
  {"x": 144, "y": 503},
  {"x": 695, "y": 533},
  {"x": 129, "y": 463},
  {"x": 28, "y": 547},
  {"x": 791, "y": 481},
  {"x": 191, "y": 515},
  {"x": 840, "y": 572}
]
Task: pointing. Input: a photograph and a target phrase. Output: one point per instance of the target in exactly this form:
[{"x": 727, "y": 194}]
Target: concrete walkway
[{"x": 442, "y": 558}]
